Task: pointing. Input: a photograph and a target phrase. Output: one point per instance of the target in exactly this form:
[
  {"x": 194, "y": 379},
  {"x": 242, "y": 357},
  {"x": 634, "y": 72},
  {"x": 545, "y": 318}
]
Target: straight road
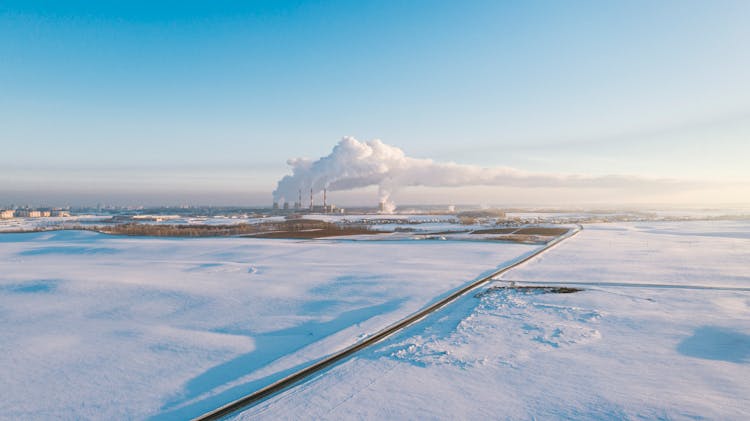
[{"x": 297, "y": 377}]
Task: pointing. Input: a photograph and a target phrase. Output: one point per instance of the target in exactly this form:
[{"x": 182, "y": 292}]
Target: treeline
[
  {"x": 158, "y": 230},
  {"x": 153, "y": 230}
]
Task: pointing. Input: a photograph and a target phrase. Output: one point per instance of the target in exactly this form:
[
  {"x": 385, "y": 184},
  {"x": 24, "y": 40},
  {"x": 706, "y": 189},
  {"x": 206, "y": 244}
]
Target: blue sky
[{"x": 203, "y": 102}]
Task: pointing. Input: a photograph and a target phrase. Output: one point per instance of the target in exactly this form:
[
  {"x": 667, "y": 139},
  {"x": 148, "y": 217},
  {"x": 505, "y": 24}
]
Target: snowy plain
[
  {"x": 661, "y": 331},
  {"x": 107, "y": 327},
  {"x": 16, "y": 225},
  {"x": 53, "y": 222}
]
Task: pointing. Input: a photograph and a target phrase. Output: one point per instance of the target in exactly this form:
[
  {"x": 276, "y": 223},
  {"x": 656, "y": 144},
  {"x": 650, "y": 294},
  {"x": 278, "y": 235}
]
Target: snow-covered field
[
  {"x": 680, "y": 253},
  {"x": 661, "y": 331},
  {"x": 104, "y": 327},
  {"x": 30, "y": 224},
  {"x": 15, "y": 225}
]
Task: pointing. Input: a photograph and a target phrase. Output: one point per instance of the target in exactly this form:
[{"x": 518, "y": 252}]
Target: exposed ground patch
[
  {"x": 292, "y": 228},
  {"x": 526, "y": 289},
  {"x": 317, "y": 233},
  {"x": 544, "y": 231}
]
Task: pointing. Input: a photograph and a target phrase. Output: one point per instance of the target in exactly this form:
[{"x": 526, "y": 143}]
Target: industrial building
[
  {"x": 311, "y": 208},
  {"x": 7, "y": 213}
]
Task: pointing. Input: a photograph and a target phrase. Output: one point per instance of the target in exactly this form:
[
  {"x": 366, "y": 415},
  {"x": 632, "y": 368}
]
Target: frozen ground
[
  {"x": 662, "y": 331},
  {"x": 213, "y": 220},
  {"x": 412, "y": 221},
  {"x": 102, "y": 327},
  {"x": 29, "y": 224},
  {"x": 47, "y": 223},
  {"x": 676, "y": 253}
]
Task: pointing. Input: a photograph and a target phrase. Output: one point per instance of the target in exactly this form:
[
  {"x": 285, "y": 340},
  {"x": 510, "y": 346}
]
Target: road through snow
[
  {"x": 306, "y": 372},
  {"x": 606, "y": 353}
]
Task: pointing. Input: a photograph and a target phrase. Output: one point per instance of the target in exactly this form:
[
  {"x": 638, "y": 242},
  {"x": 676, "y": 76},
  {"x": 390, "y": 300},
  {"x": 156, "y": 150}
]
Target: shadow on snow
[
  {"x": 717, "y": 343},
  {"x": 269, "y": 347}
]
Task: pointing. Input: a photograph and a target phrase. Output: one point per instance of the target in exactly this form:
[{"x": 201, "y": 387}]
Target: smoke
[{"x": 353, "y": 164}]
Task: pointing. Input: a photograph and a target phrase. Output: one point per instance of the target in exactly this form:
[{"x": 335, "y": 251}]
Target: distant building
[
  {"x": 323, "y": 208},
  {"x": 7, "y": 213},
  {"x": 28, "y": 213}
]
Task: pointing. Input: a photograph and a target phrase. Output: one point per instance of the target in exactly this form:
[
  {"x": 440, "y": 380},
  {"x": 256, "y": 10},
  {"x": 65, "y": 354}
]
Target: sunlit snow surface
[
  {"x": 662, "y": 331},
  {"x": 103, "y": 327}
]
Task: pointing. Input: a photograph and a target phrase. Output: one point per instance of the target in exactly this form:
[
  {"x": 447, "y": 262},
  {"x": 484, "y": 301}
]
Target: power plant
[{"x": 312, "y": 207}]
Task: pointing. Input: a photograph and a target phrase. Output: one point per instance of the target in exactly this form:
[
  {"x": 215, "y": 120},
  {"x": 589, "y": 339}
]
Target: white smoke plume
[{"x": 353, "y": 164}]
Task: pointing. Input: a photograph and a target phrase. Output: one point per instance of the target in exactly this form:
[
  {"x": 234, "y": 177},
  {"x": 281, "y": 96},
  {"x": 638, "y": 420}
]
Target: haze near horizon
[{"x": 537, "y": 103}]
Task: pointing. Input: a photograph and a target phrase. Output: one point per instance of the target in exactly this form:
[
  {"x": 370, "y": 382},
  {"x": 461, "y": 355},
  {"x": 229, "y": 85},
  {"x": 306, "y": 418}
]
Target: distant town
[{"x": 32, "y": 213}]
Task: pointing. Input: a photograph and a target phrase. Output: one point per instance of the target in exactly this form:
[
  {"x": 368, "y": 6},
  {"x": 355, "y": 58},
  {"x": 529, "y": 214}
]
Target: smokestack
[
  {"x": 324, "y": 198},
  {"x": 311, "y": 199},
  {"x": 299, "y": 204}
]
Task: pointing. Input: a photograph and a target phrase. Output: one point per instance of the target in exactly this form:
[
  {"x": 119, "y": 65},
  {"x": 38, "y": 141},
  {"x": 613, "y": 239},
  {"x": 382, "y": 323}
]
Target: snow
[
  {"x": 531, "y": 216},
  {"x": 30, "y": 224},
  {"x": 108, "y": 327},
  {"x": 213, "y": 220},
  {"x": 49, "y": 223},
  {"x": 393, "y": 222},
  {"x": 714, "y": 254},
  {"x": 413, "y": 218},
  {"x": 639, "y": 342}
]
